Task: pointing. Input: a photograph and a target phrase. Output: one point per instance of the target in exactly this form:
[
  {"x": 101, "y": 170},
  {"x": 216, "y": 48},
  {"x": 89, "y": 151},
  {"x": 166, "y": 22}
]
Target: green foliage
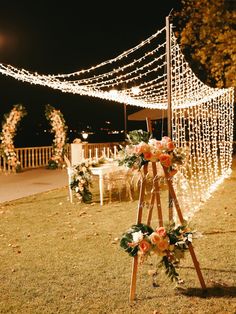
[
  {"x": 137, "y": 136},
  {"x": 52, "y": 164},
  {"x": 170, "y": 269},
  {"x": 128, "y": 238},
  {"x": 207, "y": 35},
  {"x": 131, "y": 161}
]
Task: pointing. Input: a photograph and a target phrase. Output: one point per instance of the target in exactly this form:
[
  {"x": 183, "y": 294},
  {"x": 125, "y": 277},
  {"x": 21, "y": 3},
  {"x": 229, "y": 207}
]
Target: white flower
[{"x": 137, "y": 236}]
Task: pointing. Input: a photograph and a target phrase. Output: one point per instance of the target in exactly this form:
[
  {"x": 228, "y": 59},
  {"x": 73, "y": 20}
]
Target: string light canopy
[
  {"x": 141, "y": 68},
  {"x": 202, "y": 117}
]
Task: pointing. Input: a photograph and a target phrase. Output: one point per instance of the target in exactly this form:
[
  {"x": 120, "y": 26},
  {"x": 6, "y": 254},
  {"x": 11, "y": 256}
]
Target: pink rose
[
  {"x": 165, "y": 139},
  {"x": 161, "y": 231},
  {"x": 165, "y": 160},
  {"x": 144, "y": 246}
]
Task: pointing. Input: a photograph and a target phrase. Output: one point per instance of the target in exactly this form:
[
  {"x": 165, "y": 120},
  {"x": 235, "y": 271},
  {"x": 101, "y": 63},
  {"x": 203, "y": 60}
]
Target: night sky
[{"x": 51, "y": 38}]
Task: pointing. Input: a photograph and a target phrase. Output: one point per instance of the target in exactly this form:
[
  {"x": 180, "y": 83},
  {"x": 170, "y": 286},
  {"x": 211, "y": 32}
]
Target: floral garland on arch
[
  {"x": 142, "y": 148},
  {"x": 169, "y": 244},
  {"x": 9, "y": 126},
  {"x": 59, "y": 128}
]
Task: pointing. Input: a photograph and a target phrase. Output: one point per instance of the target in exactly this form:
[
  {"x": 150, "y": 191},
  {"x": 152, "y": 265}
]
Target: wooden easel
[{"x": 155, "y": 195}]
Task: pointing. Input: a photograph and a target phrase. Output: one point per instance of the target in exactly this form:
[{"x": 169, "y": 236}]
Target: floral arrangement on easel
[
  {"x": 59, "y": 128},
  {"x": 168, "y": 243},
  {"x": 9, "y": 127},
  {"x": 142, "y": 148},
  {"x": 81, "y": 181},
  {"x": 141, "y": 240}
]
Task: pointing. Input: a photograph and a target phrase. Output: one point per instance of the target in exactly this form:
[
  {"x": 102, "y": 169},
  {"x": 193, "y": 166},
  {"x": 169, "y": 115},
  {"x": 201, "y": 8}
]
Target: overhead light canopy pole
[
  {"x": 169, "y": 108},
  {"x": 168, "y": 69}
]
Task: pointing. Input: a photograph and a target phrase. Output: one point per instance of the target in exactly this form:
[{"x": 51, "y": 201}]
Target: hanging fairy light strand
[{"x": 202, "y": 123}]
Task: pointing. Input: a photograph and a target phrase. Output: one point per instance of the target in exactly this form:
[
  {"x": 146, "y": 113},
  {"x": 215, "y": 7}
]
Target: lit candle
[
  {"x": 90, "y": 153},
  {"x": 115, "y": 152},
  {"x": 96, "y": 153},
  {"x": 108, "y": 152}
]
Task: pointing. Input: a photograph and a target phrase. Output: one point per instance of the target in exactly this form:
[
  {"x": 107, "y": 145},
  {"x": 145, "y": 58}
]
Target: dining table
[{"x": 103, "y": 170}]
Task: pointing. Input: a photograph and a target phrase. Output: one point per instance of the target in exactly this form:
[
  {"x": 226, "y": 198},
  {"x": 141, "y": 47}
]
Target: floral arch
[
  {"x": 9, "y": 127},
  {"x": 59, "y": 128}
]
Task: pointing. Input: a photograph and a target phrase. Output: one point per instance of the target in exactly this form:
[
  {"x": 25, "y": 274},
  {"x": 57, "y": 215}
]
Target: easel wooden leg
[
  {"x": 150, "y": 210},
  {"x": 170, "y": 206},
  {"x": 138, "y": 221},
  {"x": 155, "y": 196},
  {"x": 133, "y": 279},
  {"x": 181, "y": 219}
]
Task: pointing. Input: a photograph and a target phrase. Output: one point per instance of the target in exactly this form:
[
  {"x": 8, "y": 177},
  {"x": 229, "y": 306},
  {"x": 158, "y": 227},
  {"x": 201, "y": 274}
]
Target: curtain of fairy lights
[
  {"x": 202, "y": 119},
  {"x": 202, "y": 123}
]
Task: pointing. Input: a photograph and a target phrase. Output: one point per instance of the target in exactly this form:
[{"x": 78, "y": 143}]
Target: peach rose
[
  {"x": 156, "y": 154},
  {"x": 144, "y": 246},
  {"x": 165, "y": 160},
  {"x": 155, "y": 238},
  {"x": 148, "y": 155},
  {"x": 163, "y": 244},
  {"x": 172, "y": 172},
  {"x": 142, "y": 148},
  {"x": 170, "y": 146},
  {"x": 159, "y": 145}
]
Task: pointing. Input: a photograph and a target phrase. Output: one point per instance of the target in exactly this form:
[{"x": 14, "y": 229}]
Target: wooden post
[
  {"x": 169, "y": 108},
  {"x": 125, "y": 120}
]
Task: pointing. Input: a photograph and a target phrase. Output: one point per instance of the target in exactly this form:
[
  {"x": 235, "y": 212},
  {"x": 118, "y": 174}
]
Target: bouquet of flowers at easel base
[{"x": 169, "y": 243}]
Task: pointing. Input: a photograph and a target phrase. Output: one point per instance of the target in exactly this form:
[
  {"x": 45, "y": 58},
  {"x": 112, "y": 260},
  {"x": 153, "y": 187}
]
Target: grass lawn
[{"x": 58, "y": 257}]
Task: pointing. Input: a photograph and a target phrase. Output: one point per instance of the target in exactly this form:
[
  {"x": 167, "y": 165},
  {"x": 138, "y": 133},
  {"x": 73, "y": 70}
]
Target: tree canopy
[{"x": 206, "y": 31}]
